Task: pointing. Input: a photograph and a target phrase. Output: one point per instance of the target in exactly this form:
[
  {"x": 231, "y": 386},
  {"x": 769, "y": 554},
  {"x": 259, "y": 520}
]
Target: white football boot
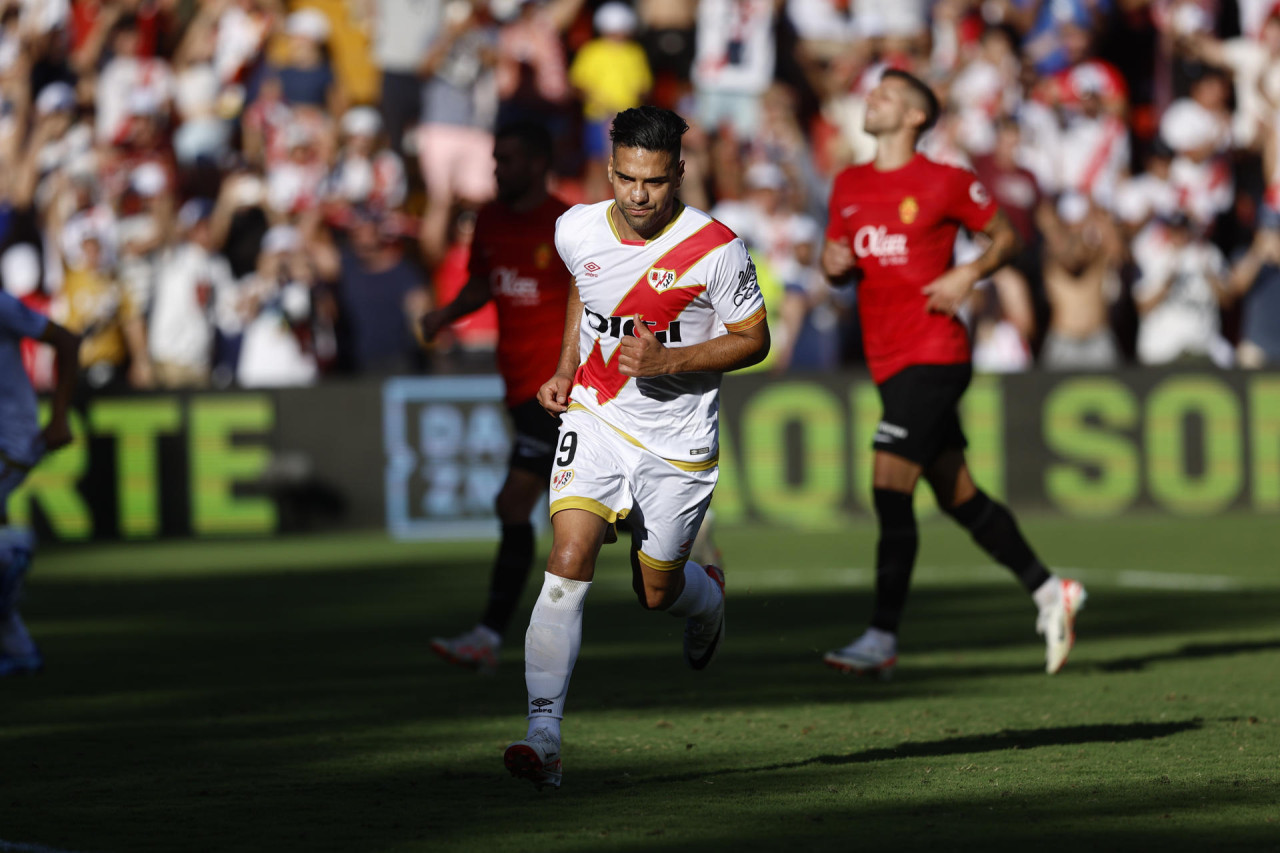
[
  {"x": 702, "y": 635},
  {"x": 536, "y": 758},
  {"x": 1057, "y": 623},
  {"x": 476, "y": 649},
  {"x": 874, "y": 653}
]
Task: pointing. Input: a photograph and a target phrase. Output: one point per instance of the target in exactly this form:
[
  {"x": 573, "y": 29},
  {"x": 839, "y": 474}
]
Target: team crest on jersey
[
  {"x": 542, "y": 256},
  {"x": 908, "y": 210},
  {"x": 660, "y": 279},
  {"x": 978, "y": 193},
  {"x": 562, "y": 478}
]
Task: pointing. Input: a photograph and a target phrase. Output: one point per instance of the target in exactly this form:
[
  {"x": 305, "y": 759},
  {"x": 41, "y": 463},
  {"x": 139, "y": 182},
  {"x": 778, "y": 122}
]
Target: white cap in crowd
[
  {"x": 765, "y": 176},
  {"x": 281, "y": 238},
  {"x": 1073, "y": 207},
  {"x": 1186, "y": 126},
  {"x": 309, "y": 24},
  {"x": 615, "y": 18},
  {"x": 20, "y": 269},
  {"x": 148, "y": 180},
  {"x": 361, "y": 121},
  {"x": 55, "y": 97}
]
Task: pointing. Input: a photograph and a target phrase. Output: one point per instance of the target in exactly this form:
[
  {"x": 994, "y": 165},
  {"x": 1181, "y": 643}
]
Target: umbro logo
[
  {"x": 541, "y": 703},
  {"x": 591, "y": 268}
]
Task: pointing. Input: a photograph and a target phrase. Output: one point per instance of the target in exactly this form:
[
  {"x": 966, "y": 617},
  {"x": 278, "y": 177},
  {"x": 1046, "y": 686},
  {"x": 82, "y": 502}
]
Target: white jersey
[{"x": 691, "y": 283}]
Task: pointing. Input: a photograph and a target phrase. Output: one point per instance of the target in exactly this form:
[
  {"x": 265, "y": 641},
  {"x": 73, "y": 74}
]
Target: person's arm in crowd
[
  {"x": 66, "y": 345},
  {"x": 1147, "y": 298},
  {"x": 1244, "y": 273},
  {"x": 23, "y": 188},
  {"x": 85, "y": 60},
  {"x": 202, "y": 26},
  {"x": 1206, "y": 49},
  {"x": 475, "y": 294},
  {"x": 563, "y": 13}
]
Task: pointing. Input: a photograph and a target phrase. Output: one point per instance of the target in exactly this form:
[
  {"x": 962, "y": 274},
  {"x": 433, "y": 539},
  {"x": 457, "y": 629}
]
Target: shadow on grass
[
  {"x": 1005, "y": 739},
  {"x": 1188, "y": 652}
]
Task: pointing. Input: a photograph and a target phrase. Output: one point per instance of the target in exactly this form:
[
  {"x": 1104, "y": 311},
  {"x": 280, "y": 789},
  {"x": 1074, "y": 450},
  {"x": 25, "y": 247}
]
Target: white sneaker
[
  {"x": 1057, "y": 623},
  {"x": 704, "y": 551},
  {"x": 536, "y": 758},
  {"x": 871, "y": 654},
  {"x": 702, "y": 634},
  {"x": 476, "y": 649}
]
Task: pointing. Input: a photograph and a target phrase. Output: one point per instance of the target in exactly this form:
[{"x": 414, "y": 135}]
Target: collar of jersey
[{"x": 608, "y": 215}]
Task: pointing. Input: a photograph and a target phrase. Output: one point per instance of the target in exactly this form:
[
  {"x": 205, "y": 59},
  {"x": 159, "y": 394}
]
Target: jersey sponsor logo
[
  {"x": 748, "y": 284},
  {"x": 592, "y": 269},
  {"x": 660, "y": 279},
  {"x": 876, "y": 242},
  {"x": 659, "y": 309},
  {"x": 509, "y": 284},
  {"x": 620, "y": 327},
  {"x": 978, "y": 194},
  {"x": 908, "y": 210},
  {"x": 562, "y": 479}
]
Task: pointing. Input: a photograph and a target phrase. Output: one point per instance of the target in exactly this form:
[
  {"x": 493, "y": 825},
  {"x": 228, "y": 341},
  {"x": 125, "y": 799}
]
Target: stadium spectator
[
  {"x": 611, "y": 73},
  {"x": 734, "y": 62},
  {"x": 1255, "y": 276},
  {"x": 365, "y": 173},
  {"x": 1179, "y": 298},
  {"x": 459, "y": 107},
  {"x": 193, "y": 286},
  {"x": 22, "y": 445},
  {"x": 893, "y": 223},
  {"x": 403, "y": 30},
  {"x": 380, "y": 295},
  {"x": 1081, "y": 277},
  {"x": 531, "y": 69},
  {"x": 276, "y": 350},
  {"x": 513, "y": 268},
  {"x": 668, "y": 36},
  {"x": 306, "y": 75}
]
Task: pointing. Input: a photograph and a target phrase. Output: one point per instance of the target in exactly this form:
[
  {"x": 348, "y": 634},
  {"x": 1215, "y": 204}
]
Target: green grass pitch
[{"x": 280, "y": 696}]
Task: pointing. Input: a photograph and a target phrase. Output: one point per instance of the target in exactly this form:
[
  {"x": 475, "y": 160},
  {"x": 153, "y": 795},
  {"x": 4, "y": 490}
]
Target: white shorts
[{"x": 606, "y": 473}]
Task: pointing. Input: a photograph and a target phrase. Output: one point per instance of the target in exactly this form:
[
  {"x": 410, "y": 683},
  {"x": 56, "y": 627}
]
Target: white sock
[
  {"x": 1048, "y": 593},
  {"x": 551, "y": 647},
  {"x": 699, "y": 595},
  {"x": 883, "y": 639}
]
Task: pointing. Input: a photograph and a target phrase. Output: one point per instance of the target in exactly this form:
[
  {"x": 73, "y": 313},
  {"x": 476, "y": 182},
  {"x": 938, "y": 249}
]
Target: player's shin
[
  {"x": 510, "y": 573},
  {"x": 895, "y": 556},
  {"x": 700, "y": 594},
  {"x": 551, "y": 648},
  {"x": 994, "y": 529}
]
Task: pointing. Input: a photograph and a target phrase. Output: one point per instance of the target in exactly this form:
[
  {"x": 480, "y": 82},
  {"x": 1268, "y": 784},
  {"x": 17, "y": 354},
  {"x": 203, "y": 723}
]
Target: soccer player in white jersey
[
  {"x": 22, "y": 443},
  {"x": 665, "y": 301}
]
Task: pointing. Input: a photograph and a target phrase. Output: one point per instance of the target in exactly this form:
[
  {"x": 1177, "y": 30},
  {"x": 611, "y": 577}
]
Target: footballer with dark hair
[{"x": 892, "y": 228}]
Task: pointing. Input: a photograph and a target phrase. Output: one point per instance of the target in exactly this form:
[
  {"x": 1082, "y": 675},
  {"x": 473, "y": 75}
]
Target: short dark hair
[
  {"x": 650, "y": 128},
  {"x": 533, "y": 137},
  {"x": 932, "y": 109}
]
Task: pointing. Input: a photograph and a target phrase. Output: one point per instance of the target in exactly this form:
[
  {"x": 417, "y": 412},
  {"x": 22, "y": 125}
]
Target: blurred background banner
[{"x": 423, "y": 457}]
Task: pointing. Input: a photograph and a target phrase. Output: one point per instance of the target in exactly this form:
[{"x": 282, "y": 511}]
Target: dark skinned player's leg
[
  {"x": 515, "y": 503},
  {"x": 894, "y": 483},
  {"x": 989, "y": 522}
]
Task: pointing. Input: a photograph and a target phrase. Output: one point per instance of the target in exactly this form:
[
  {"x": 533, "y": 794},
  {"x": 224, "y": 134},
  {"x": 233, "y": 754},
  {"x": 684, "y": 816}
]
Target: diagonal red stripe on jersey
[{"x": 658, "y": 308}]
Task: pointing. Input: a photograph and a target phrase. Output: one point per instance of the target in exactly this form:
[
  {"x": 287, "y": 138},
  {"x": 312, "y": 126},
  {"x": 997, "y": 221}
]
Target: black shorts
[
  {"x": 921, "y": 415},
  {"x": 536, "y": 431}
]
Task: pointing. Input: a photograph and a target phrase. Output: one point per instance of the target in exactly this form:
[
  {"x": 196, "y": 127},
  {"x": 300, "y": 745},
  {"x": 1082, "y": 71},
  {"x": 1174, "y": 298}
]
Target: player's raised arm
[{"x": 554, "y": 393}]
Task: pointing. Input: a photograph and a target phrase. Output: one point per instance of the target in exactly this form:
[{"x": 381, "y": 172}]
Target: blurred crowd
[{"x": 264, "y": 193}]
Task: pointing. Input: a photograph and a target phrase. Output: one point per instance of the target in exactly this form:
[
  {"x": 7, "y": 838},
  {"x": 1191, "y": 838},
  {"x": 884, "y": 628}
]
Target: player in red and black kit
[
  {"x": 892, "y": 227},
  {"x": 514, "y": 263}
]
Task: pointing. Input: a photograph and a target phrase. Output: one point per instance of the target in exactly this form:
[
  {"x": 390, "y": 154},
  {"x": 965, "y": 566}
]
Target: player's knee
[
  {"x": 895, "y": 511},
  {"x": 572, "y": 559},
  {"x": 657, "y": 598},
  {"x": 972, "y": 512}
]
